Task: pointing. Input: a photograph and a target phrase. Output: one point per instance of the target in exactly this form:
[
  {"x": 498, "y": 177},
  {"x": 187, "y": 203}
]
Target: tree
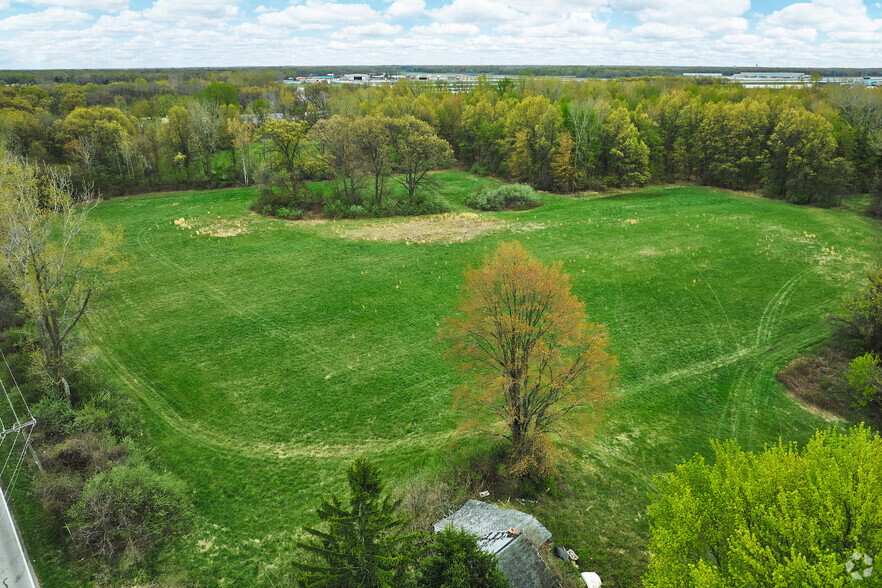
[
  {"x": 566, "y": 177},
  {"x": 93, "y": 136},
  {"x": 455, "y": 560},
  {"x": 52, "y": 258},
  {"x": 583, "y": 120},
  {"x": 782, "y": 517},
  {"x": 541, "y": 364},
  {"x": 205, "y": 130},
  {"x": 176, "y": 138},
  {"x": 861, "y": 313},
  {"x": 285, "y": 140},
  {"x": 340, "y": 152},
  {"x": 221, "y": 94},
  {"x": 362, "y": 546},
  {"x": 371, "y": 136},
  {"x": 241, "y": 133},
  {"x": 531, "y": 129},
  {"x": 416, "y": 151},
  {"x": 628, "y": 157},
  {"x": 802, "y": 165}
]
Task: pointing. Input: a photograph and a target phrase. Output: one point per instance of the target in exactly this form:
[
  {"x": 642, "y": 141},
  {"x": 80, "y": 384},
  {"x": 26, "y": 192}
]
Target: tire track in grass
[
  {"x": 212, "y": 439},
  {"x": 146, "y": 392},
  {"x": 268, "y": 326},
  {"x": 743, "y": 395}
]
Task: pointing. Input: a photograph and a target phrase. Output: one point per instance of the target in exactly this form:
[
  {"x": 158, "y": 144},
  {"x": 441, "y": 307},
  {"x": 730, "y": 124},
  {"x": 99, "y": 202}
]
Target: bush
[
  {"x": 127, "y": 509},
  {"x": 865, "y": 379},
  {"x": 281, "y": 200},
  {"x": 505, "y": 197},
  {"x": 289, "y": 213},
  {"x": 431, "y": 205},
  {"x": 335, "y": 209},
  {"x": 861, "y": 314}
]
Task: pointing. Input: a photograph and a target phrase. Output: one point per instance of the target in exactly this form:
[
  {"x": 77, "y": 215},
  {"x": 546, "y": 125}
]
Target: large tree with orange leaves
[{"x": 542, "y": 367}]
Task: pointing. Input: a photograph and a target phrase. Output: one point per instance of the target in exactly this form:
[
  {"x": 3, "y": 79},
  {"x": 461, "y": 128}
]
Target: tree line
[{"x": 806, "y": 145}]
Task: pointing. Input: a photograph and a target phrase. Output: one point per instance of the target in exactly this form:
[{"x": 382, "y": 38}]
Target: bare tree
[{"x": 52, "y": 258}]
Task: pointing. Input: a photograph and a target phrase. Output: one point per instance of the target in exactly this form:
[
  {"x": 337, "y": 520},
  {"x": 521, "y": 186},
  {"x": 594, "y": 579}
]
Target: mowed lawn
[{"x": 264, "y": 360}]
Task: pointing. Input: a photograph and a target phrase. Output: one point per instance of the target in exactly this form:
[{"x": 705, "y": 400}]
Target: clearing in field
[{"x": 263, "y": 363}]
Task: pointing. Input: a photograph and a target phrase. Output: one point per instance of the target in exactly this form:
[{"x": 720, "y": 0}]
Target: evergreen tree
[
  {"x": 362, "y": 546},
  {"x": 455, "y": 561}
]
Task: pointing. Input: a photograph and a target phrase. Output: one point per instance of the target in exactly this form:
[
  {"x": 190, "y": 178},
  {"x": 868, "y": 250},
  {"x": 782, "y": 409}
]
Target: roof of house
[
  {"x": 518, "y": 558},
  {"x": 481, "y": 518}
]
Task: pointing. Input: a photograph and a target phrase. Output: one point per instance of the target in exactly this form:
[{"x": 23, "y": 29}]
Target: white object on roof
[{"x": 592, "y": 580}]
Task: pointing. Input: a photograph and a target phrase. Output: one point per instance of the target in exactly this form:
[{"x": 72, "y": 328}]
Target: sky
[{"x": 49, "y": 34}]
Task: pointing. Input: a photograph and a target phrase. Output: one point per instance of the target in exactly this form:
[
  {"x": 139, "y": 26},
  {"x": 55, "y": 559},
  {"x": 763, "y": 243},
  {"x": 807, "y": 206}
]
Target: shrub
[
  {"x": 478, "y": 169},
  {"x": 430, "y": 205},
  {"x": 356, "y": 211},
  {"x": 127, "y": 509},
  {"x": 861, "y": 314},
  {"x": 865, "y": 379},
  {"x": 505, "y": 197},
  {"x": 335, "y": 209}
]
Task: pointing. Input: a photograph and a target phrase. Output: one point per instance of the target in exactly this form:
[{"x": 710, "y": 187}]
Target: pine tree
[{"x": 362, "y": 546}]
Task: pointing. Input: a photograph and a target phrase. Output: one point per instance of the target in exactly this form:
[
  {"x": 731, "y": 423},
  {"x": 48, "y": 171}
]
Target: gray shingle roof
[
  {"x": 518, "y": 558},
  {"x": 481, "y": 518}
]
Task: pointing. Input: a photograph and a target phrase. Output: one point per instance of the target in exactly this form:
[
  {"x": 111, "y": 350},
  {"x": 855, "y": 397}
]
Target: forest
[{"x": 201, "y": 129}]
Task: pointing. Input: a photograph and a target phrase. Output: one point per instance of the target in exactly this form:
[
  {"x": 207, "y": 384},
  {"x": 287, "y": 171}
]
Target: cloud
[
  {"x": 476, "y": 12},
  {"x": 450, "y": 29},
  {"x": 50, "y": 18},
  {"x": 208, "y": 10},
  {"x": 657, "y": 31},
  {"x": 839, "y": 17},
  {"x": 376, "y": 29},
  {"x": 103, "y": 5},
  {"x": 711, "y": 16},
  {"x": 320, "y": 15},
  {"x": 406, "y": 9},
  {"x": 577, "y": 24}
]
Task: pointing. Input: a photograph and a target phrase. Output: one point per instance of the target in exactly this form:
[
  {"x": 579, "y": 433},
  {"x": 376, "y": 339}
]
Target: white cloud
[
  {"x": 406, "y": 9},
  {"x": 376, "y": 29},
  {"x": 657, "y": 31},
  {"x": 104, "y": 5},
  {"x": 48, "y": 19},
  {"x": 446, "y": 29},
  {"x": 477, "y": 12},
  {"x": 221, "y": 33},
  {"x": 711, "y": 16},
  {"x": 839, "y": 18},
  {"x": 580, "y": 24},
  {"x": 174, "y": 10},
  {"x": 320, "y": 15}
]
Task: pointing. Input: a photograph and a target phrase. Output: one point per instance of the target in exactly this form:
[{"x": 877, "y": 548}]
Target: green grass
[{"x": 263, "y": 363}]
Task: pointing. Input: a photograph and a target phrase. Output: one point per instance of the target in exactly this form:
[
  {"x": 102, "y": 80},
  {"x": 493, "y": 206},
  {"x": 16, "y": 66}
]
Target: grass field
[{"x": 264, "y": 361}]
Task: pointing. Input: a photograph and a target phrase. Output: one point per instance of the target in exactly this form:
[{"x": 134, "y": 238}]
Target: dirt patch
[
  {"x": 811, "y": 381},
  {"x": 214, "y": 228},
  {"x": 436, "y": 228}
]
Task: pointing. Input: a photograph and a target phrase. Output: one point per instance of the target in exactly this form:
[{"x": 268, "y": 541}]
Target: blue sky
[{"x": 176, "y": 33}]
